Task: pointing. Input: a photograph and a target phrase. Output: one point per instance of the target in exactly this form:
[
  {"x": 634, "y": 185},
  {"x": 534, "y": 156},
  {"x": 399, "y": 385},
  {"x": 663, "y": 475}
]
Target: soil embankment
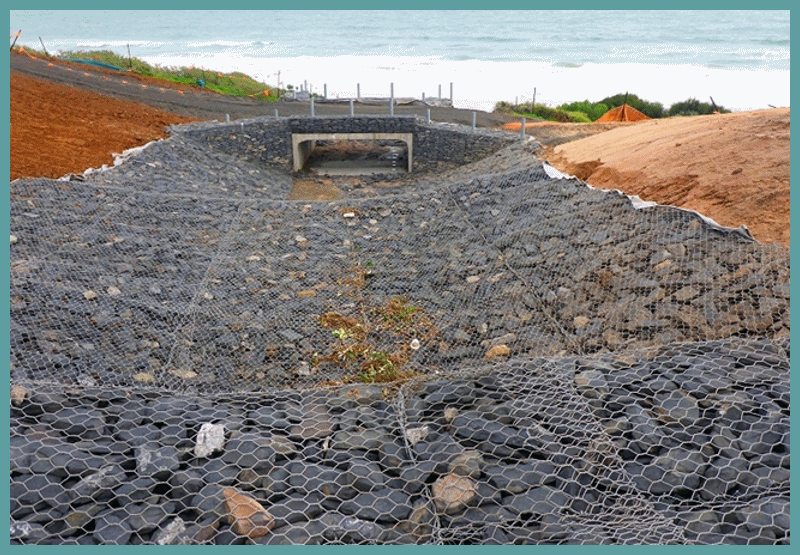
[{"x": 733, "y": 168}]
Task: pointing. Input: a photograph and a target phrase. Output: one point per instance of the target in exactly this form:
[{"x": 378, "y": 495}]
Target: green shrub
[
  {"x": 592, "y": 111},
  {"x": 693, "y": 107},
  {"x": 540, "y": 111}
]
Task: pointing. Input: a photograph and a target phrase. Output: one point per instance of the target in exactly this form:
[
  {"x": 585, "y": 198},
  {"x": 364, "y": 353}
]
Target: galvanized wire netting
[{"x": 481, "y": 355}]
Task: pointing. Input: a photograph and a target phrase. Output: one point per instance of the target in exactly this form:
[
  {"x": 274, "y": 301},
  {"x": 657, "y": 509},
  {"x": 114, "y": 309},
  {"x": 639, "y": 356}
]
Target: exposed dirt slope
[
  {"x": 57, "y": 129},
  {"x": 733, "y": 168}
]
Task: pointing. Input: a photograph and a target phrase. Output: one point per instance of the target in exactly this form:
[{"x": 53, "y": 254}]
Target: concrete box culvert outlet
[{"x": 286, "y": 144}]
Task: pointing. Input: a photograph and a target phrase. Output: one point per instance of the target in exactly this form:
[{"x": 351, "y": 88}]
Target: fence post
[
  {"x": 276, "y": 113},
  {"x": 423, "y": 96},
  {"x": 473, "y": 121},
  {"x": 312, "y": 106},
  {"x": 522, "y": 129},
  {"x": 358, "y": 91},
  {"x": 440, "y": 91},
  {"x": 227, "y": 118},
  {"x": 351, "y": 107},
  {"x": 428, "y": 116},
  {"x": 451, "y": 92},
  {"x": 391, "y": 99},
  {"x": 325, "y": 91}
]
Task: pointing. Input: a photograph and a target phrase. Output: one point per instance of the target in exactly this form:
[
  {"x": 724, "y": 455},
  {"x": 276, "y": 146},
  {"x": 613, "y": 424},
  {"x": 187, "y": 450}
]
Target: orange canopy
[{"x": 622, "y": 113}]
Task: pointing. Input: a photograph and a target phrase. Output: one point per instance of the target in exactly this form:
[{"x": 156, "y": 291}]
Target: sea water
[{"x": 738, "y": 58}]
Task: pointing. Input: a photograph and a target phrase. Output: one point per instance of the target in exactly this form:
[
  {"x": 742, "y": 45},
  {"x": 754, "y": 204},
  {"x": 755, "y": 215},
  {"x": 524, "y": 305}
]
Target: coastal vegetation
[
  {"x": 233, "y": 84},
  {"x": 586, "y": 111}
]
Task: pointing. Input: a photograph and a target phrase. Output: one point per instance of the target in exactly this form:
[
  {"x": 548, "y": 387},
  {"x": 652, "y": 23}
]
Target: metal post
[
  {"x": 391, "y": 99},
  {"x": 423, "y": 97},
  {"x": 440, "y": 92},
  {"x": 358, "y": 91},
  {"x": 312, "y": 106},
  {"x": 451, "y": 92},
  {"x": 325, "y": 91},
  {"x": 428, "y": 116},
  {"x": 473, "y": 121},
  {"x": 351, "y": 108},
  {"x": 276, "y": 113},
  {"x": 227, "y": 118},
  {"x": 522, "y": 129},
  {"x": 305, "y": 85}
]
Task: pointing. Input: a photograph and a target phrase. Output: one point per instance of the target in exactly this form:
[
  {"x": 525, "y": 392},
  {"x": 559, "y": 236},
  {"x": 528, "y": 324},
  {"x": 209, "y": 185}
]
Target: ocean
[{"x": 738, "y": 58}]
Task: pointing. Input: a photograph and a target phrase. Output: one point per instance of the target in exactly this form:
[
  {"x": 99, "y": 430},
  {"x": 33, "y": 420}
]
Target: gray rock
[
  {"x": 250, "y": 450},
  {"x": 350, "y": 529},
  {"x": 381, "y": 505},
  {"x": 28, "y": 532},
  {"x": 307, "y": 478},
  {"x": 76, "y": 421},
  {"x": 296, "y": 508},
  {"x": 94, "y": 484},
  {"x": 111, "y": 530},
  {"x": 303, "y": 533},
  {"x": 676, "y": 406},
  {"x": 365, "y": 439},
  {"x": 172, "y": 533},
  {"x": 539, "y": 500},
  {"x": 520, "y": 477},
  {"x": 469, "y": 463},
  {"x": 157, "y": 462},
  {"x": 365, "y": 476},
  {"x": 144, "y": 518},
  {"x": 210, "y": 439}
]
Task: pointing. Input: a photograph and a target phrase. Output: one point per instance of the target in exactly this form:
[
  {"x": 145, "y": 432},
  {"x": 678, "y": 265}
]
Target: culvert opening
[{"x": 358, "y": 157}]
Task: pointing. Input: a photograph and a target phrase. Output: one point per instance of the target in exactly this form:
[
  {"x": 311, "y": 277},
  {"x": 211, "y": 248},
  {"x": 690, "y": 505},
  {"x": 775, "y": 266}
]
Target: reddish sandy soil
[{"x": 57, "y": 130}]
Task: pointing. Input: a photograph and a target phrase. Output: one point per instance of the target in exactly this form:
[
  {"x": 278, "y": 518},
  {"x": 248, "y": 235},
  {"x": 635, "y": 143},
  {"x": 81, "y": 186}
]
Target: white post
[
  {"x": 227, "y": 118},
  {"x": 440, "y": 92},
  {"x": 473, "y": 121},
  {"x": 312, "y": 106},
  {"x": 351, "y": 107},
  {"x": 391, "y": 99},
  {"x": 451, "y": 92},
  {"x": 358, "y": 91},
  {"x": 276, "y": 113},
  {"x": 428, "y": 116},
  {"x": 423, "y": 97}
]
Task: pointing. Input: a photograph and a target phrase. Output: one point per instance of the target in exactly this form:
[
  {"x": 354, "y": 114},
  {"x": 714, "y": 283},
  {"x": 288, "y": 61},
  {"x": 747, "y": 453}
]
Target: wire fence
[{"x": 481, "y": 355}]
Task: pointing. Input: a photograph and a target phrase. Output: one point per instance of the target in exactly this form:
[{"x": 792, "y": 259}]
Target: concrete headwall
[{"x": 269, "y": 140}]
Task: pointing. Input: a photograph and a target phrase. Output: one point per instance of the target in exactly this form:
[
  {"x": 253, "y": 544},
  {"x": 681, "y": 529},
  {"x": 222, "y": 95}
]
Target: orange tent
[{"x": 622, "y": 113}]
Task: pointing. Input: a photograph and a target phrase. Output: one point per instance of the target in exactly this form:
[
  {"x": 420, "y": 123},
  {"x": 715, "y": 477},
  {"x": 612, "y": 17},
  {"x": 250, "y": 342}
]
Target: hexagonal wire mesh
[{"x": 478, "y": 355}]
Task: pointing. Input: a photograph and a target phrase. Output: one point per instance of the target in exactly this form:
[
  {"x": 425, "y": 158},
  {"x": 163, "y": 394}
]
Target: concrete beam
[{"x": 303, "y": 143}]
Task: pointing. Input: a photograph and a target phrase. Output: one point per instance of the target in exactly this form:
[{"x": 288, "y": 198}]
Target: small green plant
[
  {"x": 375, "y": 341},
  {"x": 342, "y": 333}
]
